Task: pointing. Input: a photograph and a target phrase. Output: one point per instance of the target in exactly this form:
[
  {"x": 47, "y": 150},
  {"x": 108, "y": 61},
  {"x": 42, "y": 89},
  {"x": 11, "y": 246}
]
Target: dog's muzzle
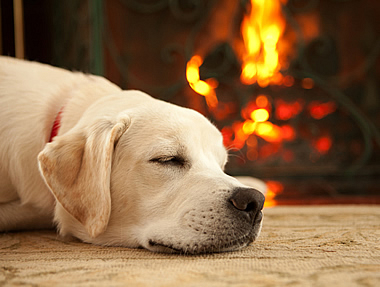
[{"x": 226, "y": 225}]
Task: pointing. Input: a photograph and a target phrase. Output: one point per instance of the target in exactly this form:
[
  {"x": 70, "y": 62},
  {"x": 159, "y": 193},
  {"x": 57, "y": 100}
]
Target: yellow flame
[
  {"x": 261, "y": 31},
  {"x": 201, "y": 87},
  {"x": 264, "y": 128},
  {"x": 260, "y": 115},
  {"x": 249, "y": 127}
]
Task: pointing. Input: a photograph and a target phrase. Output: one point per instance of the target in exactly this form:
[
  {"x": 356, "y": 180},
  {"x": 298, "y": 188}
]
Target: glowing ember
[
  {"x": 261, "y": 31},
  {"x": 288, "y": 133},
  {"x": 307, "y": 83},
  {"x": 286, "y": 111},
  {"x": 258, "y": 124},
  {"x": 262, "y": 101},
  {"x": 319, "y": 110},
  {"x": 323, "y": 144}
]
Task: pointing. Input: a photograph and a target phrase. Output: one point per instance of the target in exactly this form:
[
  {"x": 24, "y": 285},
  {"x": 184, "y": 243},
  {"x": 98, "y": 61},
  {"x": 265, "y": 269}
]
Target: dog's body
[{"x": 125, "y": 169}]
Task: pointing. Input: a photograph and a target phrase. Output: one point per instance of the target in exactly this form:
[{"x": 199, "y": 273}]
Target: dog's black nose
[{"x": 248, "y": 200}]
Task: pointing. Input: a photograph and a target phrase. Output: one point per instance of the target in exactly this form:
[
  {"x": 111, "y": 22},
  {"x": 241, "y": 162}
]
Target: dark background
[{"x": 146, "y": 45}]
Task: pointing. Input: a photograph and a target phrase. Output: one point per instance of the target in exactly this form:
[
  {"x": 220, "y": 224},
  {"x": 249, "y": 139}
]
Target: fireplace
[{"x": 292, "y": 84}]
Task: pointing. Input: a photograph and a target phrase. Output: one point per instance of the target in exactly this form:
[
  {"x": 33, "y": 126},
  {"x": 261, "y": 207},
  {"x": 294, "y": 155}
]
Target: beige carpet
[{"x": 299, "y": 246}]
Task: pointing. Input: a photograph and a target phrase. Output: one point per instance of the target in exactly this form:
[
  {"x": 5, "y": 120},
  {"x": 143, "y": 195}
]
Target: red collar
[{"x": 56, "y": 125}]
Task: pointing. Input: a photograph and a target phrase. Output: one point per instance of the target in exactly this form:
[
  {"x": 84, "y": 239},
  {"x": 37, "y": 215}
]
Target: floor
[{"x": 299, "y": 246}]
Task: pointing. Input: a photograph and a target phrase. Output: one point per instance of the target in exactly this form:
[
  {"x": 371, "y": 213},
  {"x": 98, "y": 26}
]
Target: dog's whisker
[{"x": 239, "y": 156}]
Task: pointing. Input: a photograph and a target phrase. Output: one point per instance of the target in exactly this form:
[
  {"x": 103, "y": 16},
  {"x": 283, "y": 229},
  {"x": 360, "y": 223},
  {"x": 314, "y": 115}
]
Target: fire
[
  {"x": 323, "y": 144},
  {"x": 262, "y": 54},
  {"x": 257, "y": 124},
  {"x": 274, "y": 188},
  {"x": 265, "y": 123},
  {"x": 269, "y": 132},
  {"x": 262, "y": 101},
  {"x": 261, "y": 31},
  {"x": 320, "y": 110},
  {"x": 286, "y": 111},
  {"x": 203, "y": 88},
  {"x": 260, "y": 115}
]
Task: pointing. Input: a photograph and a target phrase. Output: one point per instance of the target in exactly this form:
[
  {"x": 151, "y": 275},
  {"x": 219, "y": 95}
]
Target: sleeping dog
[{"x": 114, "y": 167}]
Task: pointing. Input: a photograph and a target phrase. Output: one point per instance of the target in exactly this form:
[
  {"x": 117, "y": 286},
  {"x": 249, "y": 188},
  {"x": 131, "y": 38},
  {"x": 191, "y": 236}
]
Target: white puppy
[{"x": 124, "y": 169}]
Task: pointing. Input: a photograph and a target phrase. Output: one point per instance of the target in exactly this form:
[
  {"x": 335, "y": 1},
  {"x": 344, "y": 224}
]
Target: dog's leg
[{"x": 16, "y": 216}]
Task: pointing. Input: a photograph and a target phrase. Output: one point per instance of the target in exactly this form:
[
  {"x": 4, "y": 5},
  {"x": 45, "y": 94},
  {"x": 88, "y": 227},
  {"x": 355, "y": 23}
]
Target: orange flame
[
  {"x": 256, "y": 124},
  {"x": 273, "y": 188},
  {"x": 261, "y": 31},
  {"x": 204, "y": 88}
]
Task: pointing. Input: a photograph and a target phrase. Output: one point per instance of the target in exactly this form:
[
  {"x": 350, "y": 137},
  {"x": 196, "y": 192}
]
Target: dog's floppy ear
[{"x": 77, "y": 168}]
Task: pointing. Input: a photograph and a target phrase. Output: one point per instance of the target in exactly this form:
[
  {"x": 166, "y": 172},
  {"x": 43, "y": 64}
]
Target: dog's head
[{"x": 150, "y": 176}]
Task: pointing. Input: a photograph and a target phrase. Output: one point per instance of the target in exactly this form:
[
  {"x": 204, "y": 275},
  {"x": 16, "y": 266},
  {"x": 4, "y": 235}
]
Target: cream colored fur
[{"x": 110, "y": 176}]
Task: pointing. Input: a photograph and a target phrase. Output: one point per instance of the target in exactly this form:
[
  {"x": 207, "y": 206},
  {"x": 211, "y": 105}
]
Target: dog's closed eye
[{"x": 177, "y": 161}]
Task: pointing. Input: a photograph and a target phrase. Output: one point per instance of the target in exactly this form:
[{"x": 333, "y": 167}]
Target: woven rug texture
[{"x": 299, "y": 246}]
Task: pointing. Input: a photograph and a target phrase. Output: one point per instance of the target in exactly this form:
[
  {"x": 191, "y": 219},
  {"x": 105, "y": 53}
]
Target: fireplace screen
[{"x": 292, "y": 84}]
